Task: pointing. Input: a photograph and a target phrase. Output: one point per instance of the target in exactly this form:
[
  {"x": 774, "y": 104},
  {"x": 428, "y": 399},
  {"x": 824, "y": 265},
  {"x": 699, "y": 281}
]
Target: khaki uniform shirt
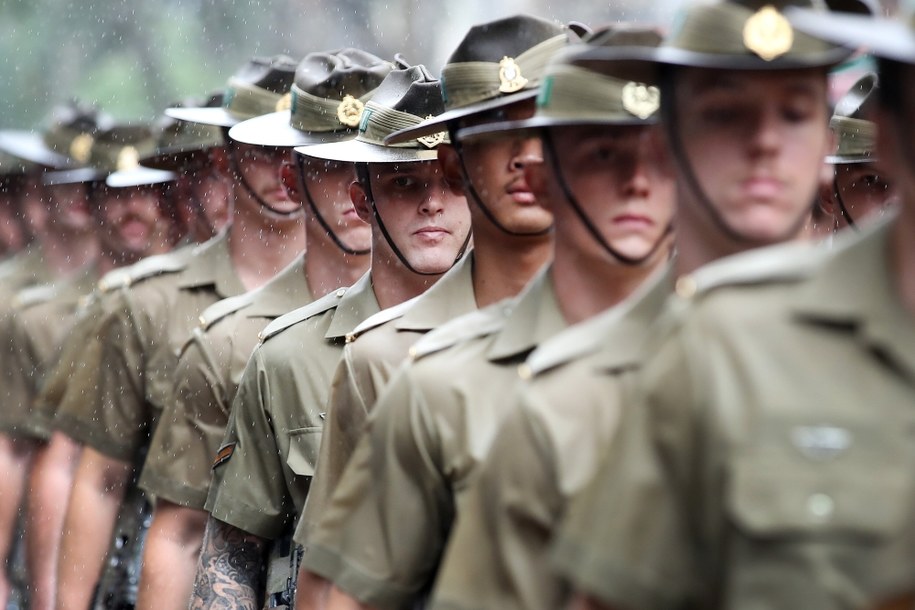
[
  {"x": 41, "y": 318},
  {"x": 767, "y": 459},
  {"x": 372, "y": 354},
  {"x": 209, "y": 369},
  {"x": 548, "y": 449},
  {"x": 140, "y": 342},
  {"x": 24, "y": 269},
  {"x": 384, "y": 531},
  {"x": 262, "y": 473}
]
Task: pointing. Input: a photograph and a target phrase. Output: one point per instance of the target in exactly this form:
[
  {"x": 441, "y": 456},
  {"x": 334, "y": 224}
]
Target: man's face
[
  {"x": 69, "y": 207},
  {"x": 133, "y": 220},
  {"x": 863, "y": 191},
  {"x": 426, "y": 220},
  {"x": 328, "y": 183},
  {"x": 259, "y": 167},
  {"x": 756, "y": 142},
  {"x": 12, "y": 237},
  {"x": 207, "y": 196},
  {"x": 495, "y": 166},
  {"x": 621, "y": 181}
]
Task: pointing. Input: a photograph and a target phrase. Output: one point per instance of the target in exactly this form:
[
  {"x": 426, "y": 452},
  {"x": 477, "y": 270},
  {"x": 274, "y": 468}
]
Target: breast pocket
[{"x": 303, "y": 450}]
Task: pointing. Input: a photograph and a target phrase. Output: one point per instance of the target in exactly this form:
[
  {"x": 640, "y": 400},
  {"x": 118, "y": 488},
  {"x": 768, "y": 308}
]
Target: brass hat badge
[
  {"x": 768, "y": 34},
  {"x": 433, "y": 139},
  {"x": 510, "y": 77},
  {"x": 641, "y": 100},
  {"x": 128, "y": 159},
  {"x": 349, "y": 112},
  {"x": 81, "y": 147},
  {"x": 284, "y": 103}
]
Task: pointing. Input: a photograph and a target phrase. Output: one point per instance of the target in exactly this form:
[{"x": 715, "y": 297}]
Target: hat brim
[
  {"x": 440, "y": 122},
  {"x": 218, "y": 117},
  {"x": 73, "y": 176},
  {"x": 839, "y": 160},
  {"x": 30, "y": 147},
  {"x": 355, "y": 151},
  {"x": 139, "y": 176},
  {"x": 274, "y": 130},
  {"x": 882, "y": 37},
  {"x": 538, "y": 123},
  {"x": 176, "y": 158}
]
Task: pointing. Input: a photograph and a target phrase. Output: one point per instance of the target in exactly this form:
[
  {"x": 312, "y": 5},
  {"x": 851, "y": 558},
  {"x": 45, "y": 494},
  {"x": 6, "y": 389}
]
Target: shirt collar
[
  {"x": 286, "y": 291},
  {"x": 450, "y": 297},
  {"x": 357, "y": 304},
  {"x": 211, "y": 265}
]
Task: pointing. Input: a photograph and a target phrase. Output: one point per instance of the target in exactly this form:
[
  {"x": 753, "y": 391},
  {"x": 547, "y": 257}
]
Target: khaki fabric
[
  {"x": 766, "y": 460},
  {"x": 139, "y": 343},
  {"x": 35, "y": 331},
  {"x": 377, "y": 349},
  {"x": 210, "y": 367},
  {"x": 384, "y": 531},
  {"x": 275, "y": 422},
  {"x": 24, "y": 269},
  {"x": 548, "y": 448}
]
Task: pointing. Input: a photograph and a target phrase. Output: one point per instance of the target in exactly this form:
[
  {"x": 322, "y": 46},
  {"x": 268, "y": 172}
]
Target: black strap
[
  {"x": 303, "y": 183},
  {"x": 236, "y": 169}
]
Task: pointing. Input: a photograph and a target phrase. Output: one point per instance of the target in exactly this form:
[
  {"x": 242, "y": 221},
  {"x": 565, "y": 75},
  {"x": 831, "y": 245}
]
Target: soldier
[
  {"x": 735, "y": 482},
  {"x": 859, "y": 187},
  {"x": 140, "y": 338},
  {"x": 511, "y": 243},
  {"x": 419, "y": 228},
  {"x": 177, "y": 469}
]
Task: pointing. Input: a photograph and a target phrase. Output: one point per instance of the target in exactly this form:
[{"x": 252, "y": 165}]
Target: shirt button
[
  {"x": 821, "y": 506},
  {"x": 341, "y": 292},
  {"x": 686, "y": 287},
  {"x": 524, "y": 372}
]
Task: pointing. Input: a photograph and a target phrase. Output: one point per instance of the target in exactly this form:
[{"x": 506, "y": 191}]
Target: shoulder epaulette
[
  {"x": 325, "y": 303},
  {"x": 382, "y": 317},
  {"x": 473, "y": 325},
  {"x": 117, "y": 278},
  {"x": 771, "y": 265},
  {"x": 34, "y": 295},
  {"x": 220, "y": 309},
  {"x": 156, "y": 265}
]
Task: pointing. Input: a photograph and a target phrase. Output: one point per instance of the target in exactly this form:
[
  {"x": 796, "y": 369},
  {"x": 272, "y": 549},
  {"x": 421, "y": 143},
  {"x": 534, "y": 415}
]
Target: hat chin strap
[
  {"x": 321, "y": 220},
  {"x": 475, "y": 196},
  {"x": 633, "y": 261},
  {"x": 365, "y": 177},
  {"x": 843, "y": 209},
  {"x": 236, "y": 168}
]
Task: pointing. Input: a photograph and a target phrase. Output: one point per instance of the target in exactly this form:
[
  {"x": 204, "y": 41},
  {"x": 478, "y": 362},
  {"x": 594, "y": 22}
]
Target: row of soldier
[{"x": 466, "y": 343}]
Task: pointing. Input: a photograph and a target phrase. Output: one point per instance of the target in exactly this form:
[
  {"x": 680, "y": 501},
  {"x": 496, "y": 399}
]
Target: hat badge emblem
[
  {"x": 510, "y": 77},
  {"x": 768, "y": 34},
  {"x": 349, "y": 112},
  {"x": 128, "y": 159},
  {"x": 284, "y": 103},
  {"x": 433, "y": 139},
  {"x": 641, "y": 100},
  {"x": 81, "y": 147}
]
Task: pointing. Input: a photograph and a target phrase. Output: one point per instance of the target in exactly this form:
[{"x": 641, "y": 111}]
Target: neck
[
  {"x": 504, "y": 264},
  {"x": 902, "y": 255},
  {"x": 585, "y": 285},
  {"x": 327, "y": 267},
  {"x": 260, "y": 248},
  {"x": 65, "y": 252},
  {"x": 393, "y": 283}
]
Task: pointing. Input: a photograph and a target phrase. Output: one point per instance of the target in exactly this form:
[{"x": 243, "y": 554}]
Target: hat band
[
  {"x": 245, "y": 101},
  {"x": 857, "y": 137},
  {"x": 318, "y": 114},
  {"x": 471, "y": 82},
  {"x": 378, "y": 122},
  {"x": 570, "y": 92}
]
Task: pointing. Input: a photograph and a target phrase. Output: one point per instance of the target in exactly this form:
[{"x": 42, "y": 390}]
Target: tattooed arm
[{"x": 230, "y": 574}]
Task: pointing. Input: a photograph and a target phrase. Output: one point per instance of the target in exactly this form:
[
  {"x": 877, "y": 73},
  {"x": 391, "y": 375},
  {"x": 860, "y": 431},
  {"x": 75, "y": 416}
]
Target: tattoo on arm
[{"x": 230, "y": 573}]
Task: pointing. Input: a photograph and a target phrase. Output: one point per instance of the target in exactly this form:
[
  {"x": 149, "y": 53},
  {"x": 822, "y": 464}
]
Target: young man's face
[
  {"x": 495, "y": 166},
  {"x": 134, "y": 220},
  {"x": 210, "y": 200},
  {"x": 426, "y": 220},
  {"x": 259, "y": 167},
  {"x": 620, "y": 179},
  {"x": 69, "y": 207},
  {"x": 862, "y": 189},
  {"x": 328, "y": 183},
  {"x": 12, "y": 237},
  {"x": 755, "y": 141},
  {"x": 896, "y": 139}
]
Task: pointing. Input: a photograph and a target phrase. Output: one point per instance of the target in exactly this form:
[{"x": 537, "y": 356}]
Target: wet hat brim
[
  {"x": 139, "y": 176},
  {"x": 73, "y": 176},
  {"x": 356, "y": 151},
  {"x": 543, "y": 122},
  {"x": 30, "y": 147},
  {"x": 274, "y": 130},
  {"x": 882, "y": 37},
  {"x": 440, "y": 122},
  {"x": 838, "y": 160},
  {"x": 218, "y": 117}
]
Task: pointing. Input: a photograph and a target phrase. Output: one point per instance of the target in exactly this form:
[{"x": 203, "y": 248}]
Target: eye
[{"x": 404, "y": 182}]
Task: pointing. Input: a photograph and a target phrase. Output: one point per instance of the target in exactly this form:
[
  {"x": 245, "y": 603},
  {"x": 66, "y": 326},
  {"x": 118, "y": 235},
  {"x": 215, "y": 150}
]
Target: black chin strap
[
  {"x": 842, "y": 207},
  {"x": 303, "y": 184},
  {"x": 587, "y": 222},
  {"x": 365, "y": 177},
  {"x": 236, "y": 169},
  {"x": 470, "y": 189},
  {"x": 692, "y": 181}
]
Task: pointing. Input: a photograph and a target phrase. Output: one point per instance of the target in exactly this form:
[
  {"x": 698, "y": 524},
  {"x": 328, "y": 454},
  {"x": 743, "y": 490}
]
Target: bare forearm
[
  {"x": 339, "y": 600},
  {"x": 49, "y": 489},
  {"x": 311, "y": 591},
  {"x": 170, "y": 557},
  {"x": 230, "y": 574},
  {"x": 584, "y": 602},
  {"x": 14, "y": 462}
]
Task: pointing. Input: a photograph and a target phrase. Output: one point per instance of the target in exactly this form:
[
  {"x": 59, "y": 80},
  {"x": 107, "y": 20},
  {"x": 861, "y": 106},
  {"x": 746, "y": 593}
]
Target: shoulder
[
  {"x": 154, "y": 266},
  {"x": 474, "y": 325},
  {"x": 326, "y": 303},
  {"x": 381, "y": 318},
  {"x": 34, "y": 295},
  {"x": 221, "y": 309}
]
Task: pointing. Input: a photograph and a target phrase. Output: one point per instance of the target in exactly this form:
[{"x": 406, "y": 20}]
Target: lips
[
  {"x": 633, "y": 220},
  {"x": 521, "y": 192},
  {"x": 432, "y": 232},
  {"x": 762, "y": 187}
]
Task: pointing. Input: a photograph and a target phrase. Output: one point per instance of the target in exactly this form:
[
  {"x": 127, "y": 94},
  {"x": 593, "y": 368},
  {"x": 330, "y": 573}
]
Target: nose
[
  {"x": 646, "y": 166},
  {"x": 765, "y": 136},
  {"x": 526, "y": 152},
  {"x": 434, "y": 201}
]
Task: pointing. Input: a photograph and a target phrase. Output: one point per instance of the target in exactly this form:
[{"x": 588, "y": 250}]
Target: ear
[
  {"x": 219, "y": 159},
  {"x": 290, "y": 179},
  {"x": 360, "y": 202},
  {"x": 827, "y": 199},
  {"x": 450, "y": 163}
]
